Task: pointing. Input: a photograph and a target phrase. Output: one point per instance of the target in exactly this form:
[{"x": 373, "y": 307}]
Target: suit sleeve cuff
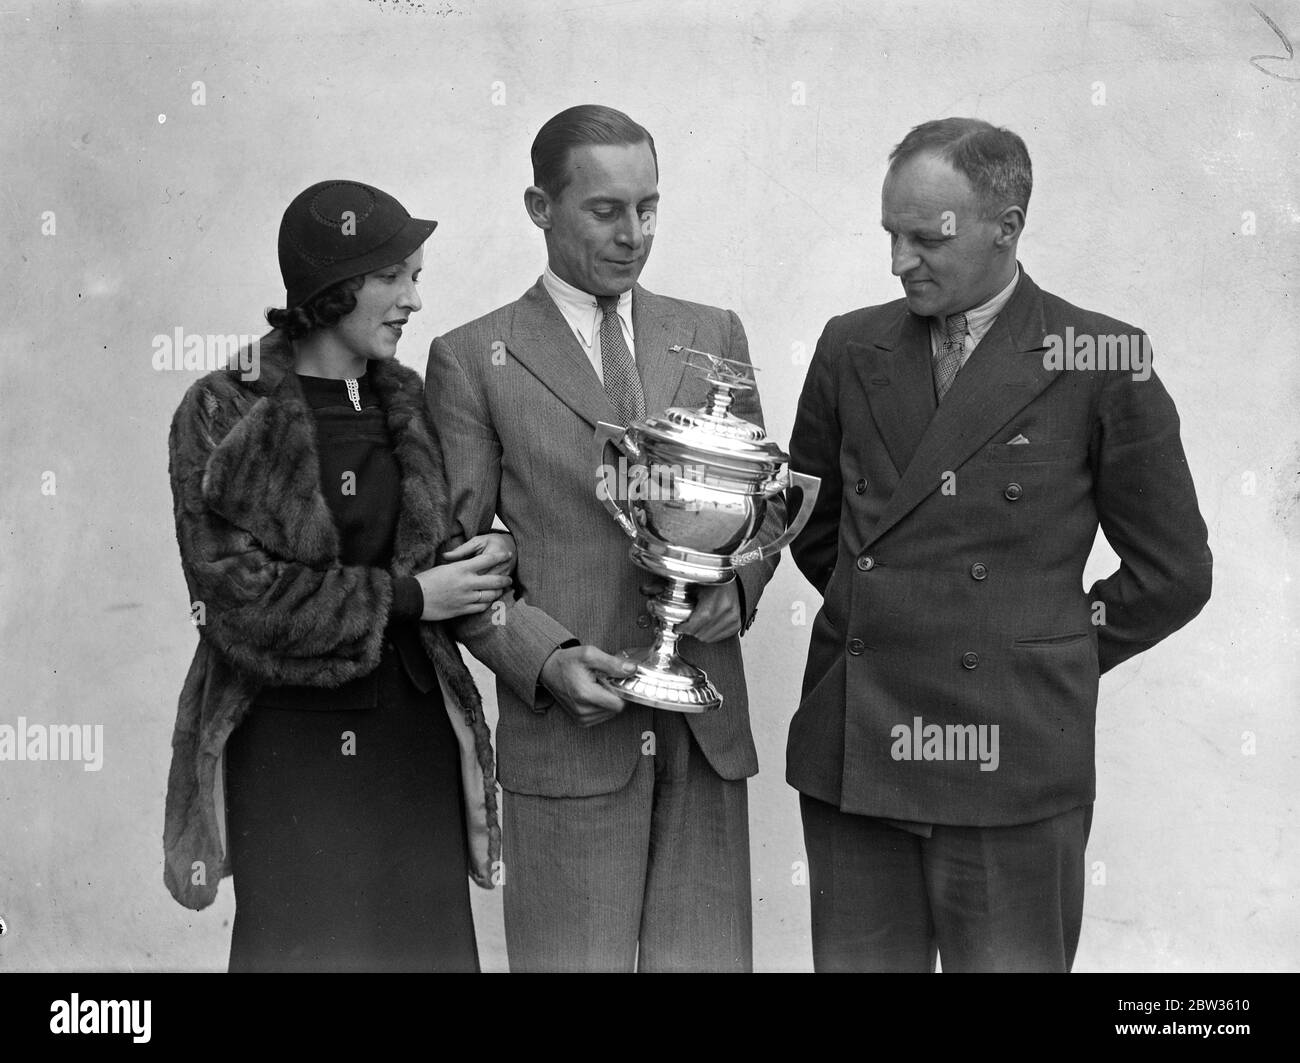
[
  {"x": 749, "y": 586},
  {"x": 543, "y": 699}
]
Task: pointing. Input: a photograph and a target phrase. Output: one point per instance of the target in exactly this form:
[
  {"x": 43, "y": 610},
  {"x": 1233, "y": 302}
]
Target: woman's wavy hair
[{"x": 325, "y": 309}]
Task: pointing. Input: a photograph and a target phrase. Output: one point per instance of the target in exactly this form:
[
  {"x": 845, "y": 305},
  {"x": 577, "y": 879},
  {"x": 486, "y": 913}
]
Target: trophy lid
[{"x": 713, "y": 431}]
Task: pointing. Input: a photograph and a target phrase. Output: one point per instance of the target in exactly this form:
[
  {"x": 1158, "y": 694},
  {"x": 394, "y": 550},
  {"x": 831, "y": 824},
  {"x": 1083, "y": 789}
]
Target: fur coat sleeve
[{"x": 281, "y": 621}]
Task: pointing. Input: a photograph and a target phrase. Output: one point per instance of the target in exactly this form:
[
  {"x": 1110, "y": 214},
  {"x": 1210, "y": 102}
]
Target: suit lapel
[
  {"x": 1002, "y": 376},
  {"x": 657, "y": 328},
  {"x": 895, "y": 373},
  {"x": 541, "y": 339}
]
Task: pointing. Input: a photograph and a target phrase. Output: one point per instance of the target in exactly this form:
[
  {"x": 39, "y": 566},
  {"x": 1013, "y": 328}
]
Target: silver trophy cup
[{"x": 700, "y": 484}]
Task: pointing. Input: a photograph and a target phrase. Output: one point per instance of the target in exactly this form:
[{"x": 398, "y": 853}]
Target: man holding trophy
[{"x": 626, "y": 837}]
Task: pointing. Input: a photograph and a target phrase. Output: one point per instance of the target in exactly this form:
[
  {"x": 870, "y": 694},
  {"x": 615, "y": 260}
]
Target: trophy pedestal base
[{"x": 677, "y": 685}]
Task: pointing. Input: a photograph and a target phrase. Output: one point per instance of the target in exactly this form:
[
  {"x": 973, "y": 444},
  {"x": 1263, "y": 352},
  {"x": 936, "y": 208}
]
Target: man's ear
[
  {"x": 538, "y": 205},
  {"x": 1011, "y": 223}
]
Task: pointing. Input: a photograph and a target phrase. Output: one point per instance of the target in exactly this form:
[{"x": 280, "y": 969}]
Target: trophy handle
[
  {"x": 606, "y": 434},
  {"x": 808, "y": 487}
]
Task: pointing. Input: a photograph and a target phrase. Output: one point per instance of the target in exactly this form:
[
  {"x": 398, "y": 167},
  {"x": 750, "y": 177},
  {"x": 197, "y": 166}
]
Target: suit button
[
  {"x": 1013, "y": 492},
  {"x": 856, "y": 646},
  {"x": 970, "y": 660},
  {"x": 866, "y": 563},
  {"x": 643, "y": 620},
  {"x": 860, "y": 486},
  {"x": 978, "y": 571}
]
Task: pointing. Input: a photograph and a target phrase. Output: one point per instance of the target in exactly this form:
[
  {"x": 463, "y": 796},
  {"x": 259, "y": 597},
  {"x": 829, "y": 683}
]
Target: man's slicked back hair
[
  {"x": 995, "y": 161},
  {"x": 588, "y": 123}
]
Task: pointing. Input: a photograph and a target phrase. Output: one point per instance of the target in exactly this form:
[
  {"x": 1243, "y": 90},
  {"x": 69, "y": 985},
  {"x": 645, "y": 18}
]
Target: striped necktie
[
  {"x": 950, "y": 355},
  {"x": 622, "y": 384}
]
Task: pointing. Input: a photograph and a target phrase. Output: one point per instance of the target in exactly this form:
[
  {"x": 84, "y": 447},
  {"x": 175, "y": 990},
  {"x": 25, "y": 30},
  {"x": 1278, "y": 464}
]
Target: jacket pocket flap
[{"x": 1030, "y": 452}]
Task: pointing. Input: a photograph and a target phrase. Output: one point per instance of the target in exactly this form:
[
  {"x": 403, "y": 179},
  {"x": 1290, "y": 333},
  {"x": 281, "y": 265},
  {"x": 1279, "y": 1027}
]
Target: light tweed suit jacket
[{"x": 515, "y": 403}]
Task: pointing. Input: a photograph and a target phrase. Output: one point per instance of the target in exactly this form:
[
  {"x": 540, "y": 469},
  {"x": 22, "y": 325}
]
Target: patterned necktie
[
  {"x": 950, "y": 355},
  {"x": 622, "y": 384}
]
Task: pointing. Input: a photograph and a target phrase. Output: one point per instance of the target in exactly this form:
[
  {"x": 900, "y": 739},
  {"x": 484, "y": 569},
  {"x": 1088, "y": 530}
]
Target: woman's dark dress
[{"x": 345, "y": 821}]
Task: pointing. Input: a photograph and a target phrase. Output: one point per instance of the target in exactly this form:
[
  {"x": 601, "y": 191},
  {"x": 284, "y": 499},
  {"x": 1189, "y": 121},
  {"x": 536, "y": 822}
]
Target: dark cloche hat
[{"x": 339, "y": 229}]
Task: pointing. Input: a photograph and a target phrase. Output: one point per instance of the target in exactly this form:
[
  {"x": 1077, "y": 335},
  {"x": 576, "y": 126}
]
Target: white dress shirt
[
  {"x": 582, "y": 312},
  {"x": 978, "y": 321}
]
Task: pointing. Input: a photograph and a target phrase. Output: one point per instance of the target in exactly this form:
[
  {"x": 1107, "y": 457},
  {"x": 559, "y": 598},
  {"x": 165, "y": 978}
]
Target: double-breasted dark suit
[{"x": 950, "y": 559}]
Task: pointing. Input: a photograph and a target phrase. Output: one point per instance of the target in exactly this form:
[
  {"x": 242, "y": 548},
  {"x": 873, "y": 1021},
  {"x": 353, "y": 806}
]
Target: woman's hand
[
  {"x": 472, "y": 578},
  {"x": 499, "y": 544}
]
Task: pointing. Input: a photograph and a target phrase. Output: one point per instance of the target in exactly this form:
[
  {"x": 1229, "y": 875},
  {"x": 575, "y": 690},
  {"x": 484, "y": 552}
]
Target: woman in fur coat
[{"x": 330, "y": 751}]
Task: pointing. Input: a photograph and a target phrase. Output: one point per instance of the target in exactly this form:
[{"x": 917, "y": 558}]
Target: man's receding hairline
[
  {"x": 986, "y": 212},
  {"x": 938, "y": 156}
]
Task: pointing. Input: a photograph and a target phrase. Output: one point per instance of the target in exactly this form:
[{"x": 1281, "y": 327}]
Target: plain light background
[{"x": 1157, "y": 147}]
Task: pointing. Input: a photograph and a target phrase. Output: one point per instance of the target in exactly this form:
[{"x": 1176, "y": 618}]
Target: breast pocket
[
  {"x": 1025, "y": 500},
  {"x": 1030, "y": 453}
]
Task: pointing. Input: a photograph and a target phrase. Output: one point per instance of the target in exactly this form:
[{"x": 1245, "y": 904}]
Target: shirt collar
[
  {"x": 980, "y": 319},
  {"x": 580, "y": 308}
]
